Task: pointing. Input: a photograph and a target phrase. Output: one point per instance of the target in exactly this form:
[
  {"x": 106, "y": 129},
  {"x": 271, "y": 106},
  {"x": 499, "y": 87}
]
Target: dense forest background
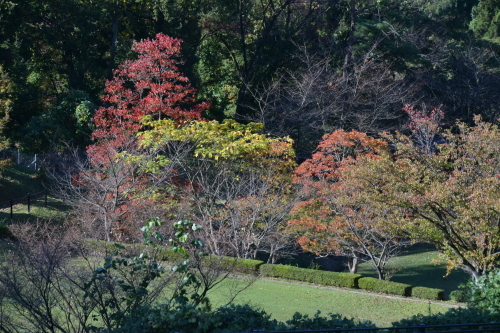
[{"x": 303, "y": 68}]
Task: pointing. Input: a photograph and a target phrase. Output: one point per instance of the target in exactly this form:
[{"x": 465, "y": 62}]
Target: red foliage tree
[{"x": 150, "y": 85}]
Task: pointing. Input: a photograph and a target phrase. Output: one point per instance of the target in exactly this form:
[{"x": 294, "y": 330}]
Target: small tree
[{"x": 333, "y": 217}]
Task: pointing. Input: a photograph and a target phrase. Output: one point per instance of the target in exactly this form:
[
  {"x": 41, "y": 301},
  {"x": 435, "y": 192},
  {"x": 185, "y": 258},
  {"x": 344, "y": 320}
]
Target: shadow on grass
[
  {"x": 55, "y": 211},
  {"x": 420, "y": 265}
]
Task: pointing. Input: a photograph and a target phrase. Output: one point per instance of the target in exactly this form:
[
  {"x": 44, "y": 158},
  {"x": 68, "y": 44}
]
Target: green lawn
[
  {"x": 282, "y": 300},
  {"x": 420, "y": 265},
  {"x": 19, "y": 180},
  {"x": 16, "y": 183}
]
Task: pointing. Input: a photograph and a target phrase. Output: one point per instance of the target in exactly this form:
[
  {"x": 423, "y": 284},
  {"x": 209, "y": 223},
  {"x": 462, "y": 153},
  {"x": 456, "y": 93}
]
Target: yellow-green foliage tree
[
  {"x": 236, "y": 180},
  {"x": 450, "y": 194}
]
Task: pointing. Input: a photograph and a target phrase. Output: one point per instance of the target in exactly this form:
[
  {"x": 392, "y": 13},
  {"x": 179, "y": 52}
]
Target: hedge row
[
  {"x": 427, "y": 293},
  {"x": 254, "y": 267},
  {"x": 386, "y": 287},
  {"x": 245, "y": 266},
  {"x": 345, "y": 280}
]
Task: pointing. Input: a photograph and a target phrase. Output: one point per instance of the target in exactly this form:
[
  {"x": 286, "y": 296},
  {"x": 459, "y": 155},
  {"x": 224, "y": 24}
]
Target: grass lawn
[
  {"x": 420, "y": 265},
  {"x": 19, "y": 180},
  {"x": 16, "y": 183},
  {"x": 282, "y": 300}
]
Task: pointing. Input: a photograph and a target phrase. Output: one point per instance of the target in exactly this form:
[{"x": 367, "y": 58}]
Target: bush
[
  {"x": 386, "y": 287},
  {"x": 457, "y": 296},
  {"x": 345, "y": 280},
  {"x": 231, "y": 318},
  {"x": 191, "y": 319},
  {"x": 427, "y": 293},
  {"x": 450, "y": 317},
  {"x": 304, "y": 322},
  {"x": 4, "y": 230},
  {"x": 485, "y": 292}
]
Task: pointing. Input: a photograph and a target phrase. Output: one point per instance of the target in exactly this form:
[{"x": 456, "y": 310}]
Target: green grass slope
[{"x": 420, "y": 265}]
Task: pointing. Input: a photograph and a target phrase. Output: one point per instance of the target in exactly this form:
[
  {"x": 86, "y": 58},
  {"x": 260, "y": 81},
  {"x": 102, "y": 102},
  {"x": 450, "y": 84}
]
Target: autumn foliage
[
  {"x": 150, "y": 85},
  {"x": 450, "y": 194},
  {"x": 333, "y": 218}
]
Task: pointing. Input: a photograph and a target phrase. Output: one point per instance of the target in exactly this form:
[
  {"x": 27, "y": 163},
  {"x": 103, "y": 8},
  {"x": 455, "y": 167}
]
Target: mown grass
[
  {"x": 420, "y": 265},
  {"x": 282, "y": 300}
]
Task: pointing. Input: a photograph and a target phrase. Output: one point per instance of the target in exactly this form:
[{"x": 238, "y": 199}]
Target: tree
[
  {"x": 5, "y": 109},
  {"x": 150, "y": 85},
  {"x": 238, "y": 183},
  {"x": 333, "y": 217},
  {"x": 486, "y": 20},
  {"x": 112, "y": 190},
  {"x": 449, "y": 195}
]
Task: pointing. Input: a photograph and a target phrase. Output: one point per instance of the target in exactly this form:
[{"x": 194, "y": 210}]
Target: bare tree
[
  {"x": 53, "y": 280},
  {"x": 112, "y": 199},
  {"x": 240, "y": 210},
  {"x": 320, "y": 98}
]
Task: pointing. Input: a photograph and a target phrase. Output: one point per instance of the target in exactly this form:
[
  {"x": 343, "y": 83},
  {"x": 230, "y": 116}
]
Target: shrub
[
  {"x": 231, "y": 318},
  {"x": 485, "y": 292},
  {"x": 457, "y": 296},
  {"x": 450, "y": 317},
  {"x": 188, "y": 318},
  {"x": 386, "y": 287},
  {"x": 427, "y": 293},
  {"x": 345, "y": 280},
  {"x": 304, "y": 322},
  {"x": 4, "y": 230}
]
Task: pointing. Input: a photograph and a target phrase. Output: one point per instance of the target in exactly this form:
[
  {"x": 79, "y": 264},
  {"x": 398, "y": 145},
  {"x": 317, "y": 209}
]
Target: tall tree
[{"x": 113, "y": 189}]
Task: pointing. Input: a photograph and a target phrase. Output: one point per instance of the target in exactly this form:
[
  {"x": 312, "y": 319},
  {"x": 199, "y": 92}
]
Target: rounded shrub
[
  {"x": 457, "y": 296},
  {"x": 484, "y": 293}
]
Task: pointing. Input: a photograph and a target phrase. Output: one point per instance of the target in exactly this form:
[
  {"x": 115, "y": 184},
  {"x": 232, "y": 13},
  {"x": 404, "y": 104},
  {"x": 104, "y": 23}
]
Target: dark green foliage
[
  {"x": 386, "y": 287},
  {"x": 304, "y": 322},
  {"x": 4, "y": 230},
  {"x": 450, "y": 317},
  {"x": 188, "y": 318},
  {"x": 484, "y": 293},
  {"x": 231, "y": 318},
  {"x": 457, "y": 296},
  {"x": 427, "y": 293},
  {"x": 345, "y": 280},
  {"x": 486, "y": 20}
]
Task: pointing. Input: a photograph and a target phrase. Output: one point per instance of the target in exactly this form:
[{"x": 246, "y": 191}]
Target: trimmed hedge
[
  {"x": 254, "y": 267},
  {"x": 245, "y": 266},
  {"x": 386, "y": 287},
  {"x": 326, "y": 278},
  {"x": 427, "y": 293}
]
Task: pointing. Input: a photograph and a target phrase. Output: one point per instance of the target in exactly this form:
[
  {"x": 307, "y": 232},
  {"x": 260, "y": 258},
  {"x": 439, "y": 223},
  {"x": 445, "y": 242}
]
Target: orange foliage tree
[{"x": 333, "y": 218}]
